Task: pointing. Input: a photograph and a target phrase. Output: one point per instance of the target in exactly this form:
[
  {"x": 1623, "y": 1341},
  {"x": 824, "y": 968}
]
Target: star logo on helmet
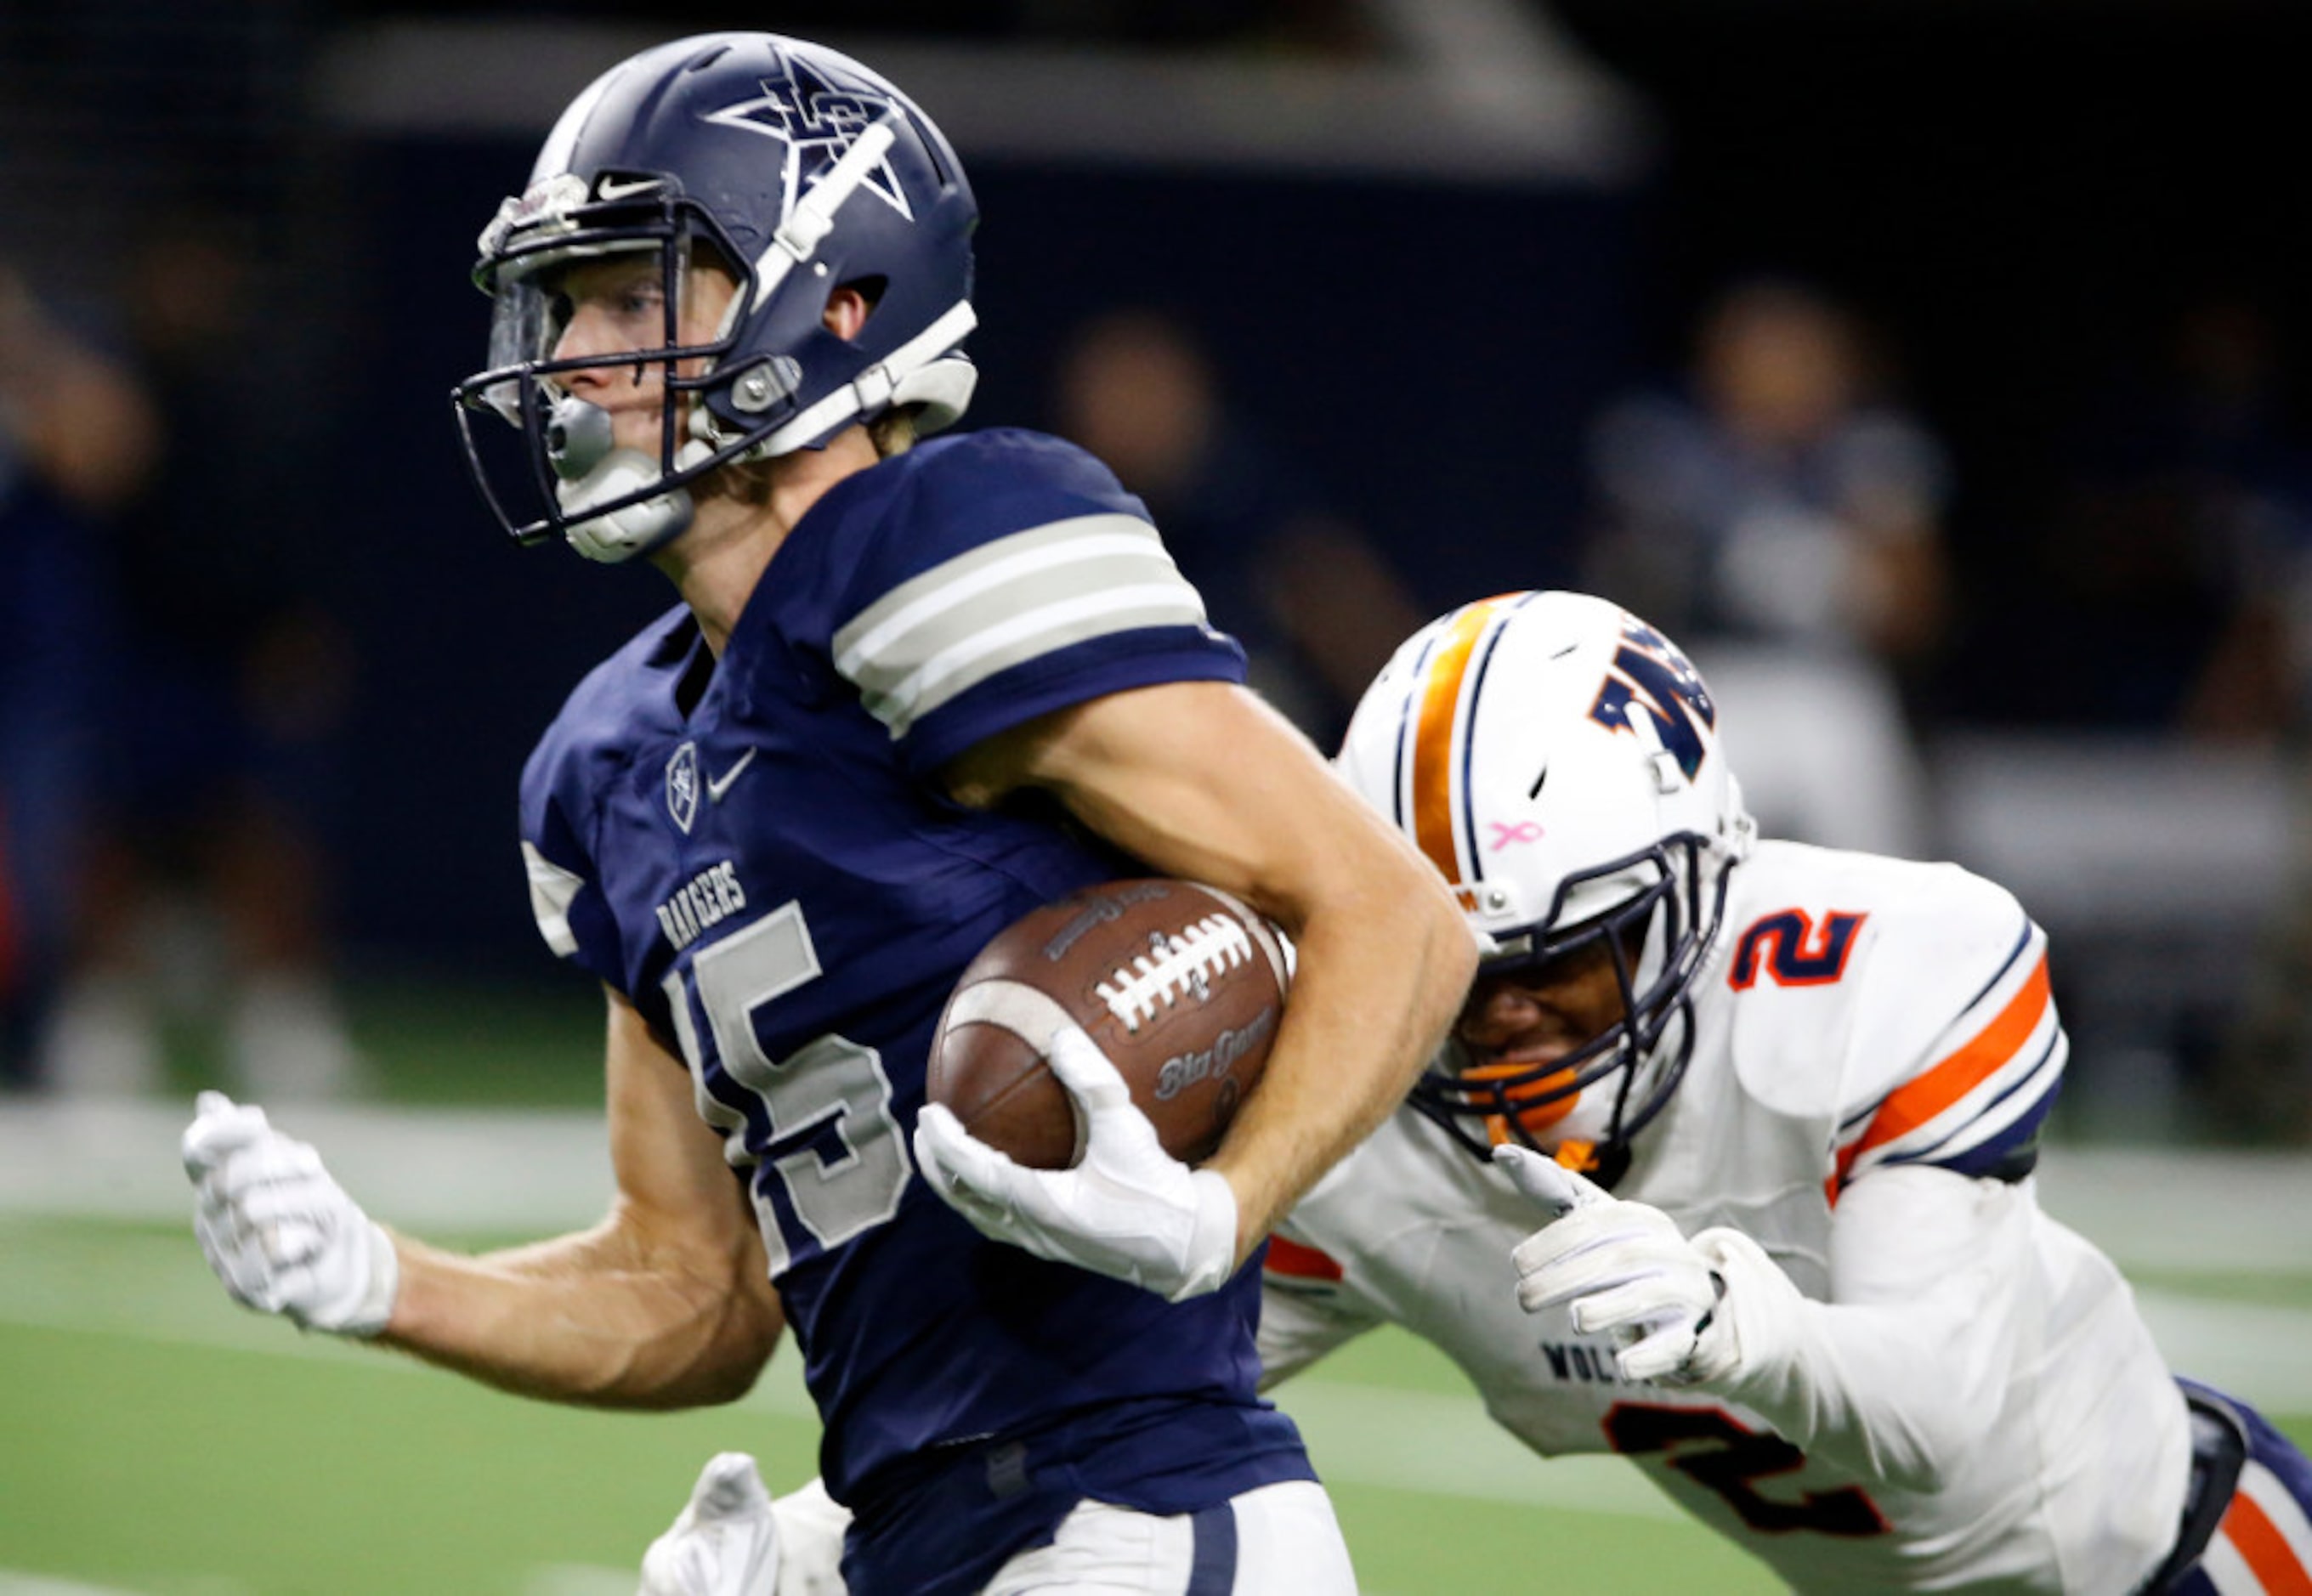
[{"x": 816, "y": 120}]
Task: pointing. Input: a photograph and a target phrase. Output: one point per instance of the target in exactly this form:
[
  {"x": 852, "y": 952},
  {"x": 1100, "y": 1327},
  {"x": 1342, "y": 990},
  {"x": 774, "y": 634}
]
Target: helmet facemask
[
  {"x": 611, "y": 502},
  {"x": 1558, "y": 761},
  {"x": 799, "y": 172},
  {"x": 1583, "y": 1106}
]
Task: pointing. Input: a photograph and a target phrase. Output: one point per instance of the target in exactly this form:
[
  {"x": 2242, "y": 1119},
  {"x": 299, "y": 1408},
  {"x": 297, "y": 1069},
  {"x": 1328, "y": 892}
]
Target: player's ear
[{"x": 847, "y": 309}]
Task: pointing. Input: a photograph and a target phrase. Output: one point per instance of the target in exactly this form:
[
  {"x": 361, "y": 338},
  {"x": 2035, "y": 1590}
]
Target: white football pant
[{"x": 1280, "y": 1538}]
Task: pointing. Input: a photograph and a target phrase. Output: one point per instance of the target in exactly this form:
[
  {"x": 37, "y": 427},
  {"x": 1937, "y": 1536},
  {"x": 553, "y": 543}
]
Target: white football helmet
[{"x": 1558, "y": 760}]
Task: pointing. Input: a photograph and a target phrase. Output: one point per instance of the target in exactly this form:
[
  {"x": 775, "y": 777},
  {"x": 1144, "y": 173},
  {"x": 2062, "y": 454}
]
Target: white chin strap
[
  {"x": 640, "y": 526},
  {"x": 924, "y": 370}
]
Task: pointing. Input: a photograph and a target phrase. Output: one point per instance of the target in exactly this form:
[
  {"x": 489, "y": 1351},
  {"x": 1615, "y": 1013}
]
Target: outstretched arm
[
  {"x": 1935, "y": 1307},
  {"x": 665, "y": 1304},
  {"x": 1897, "y": 1377},
  {"x": 1202, "y": 780}
]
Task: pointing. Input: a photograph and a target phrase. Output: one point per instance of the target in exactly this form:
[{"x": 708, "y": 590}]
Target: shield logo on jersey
[{"x": 682, "y": 786}]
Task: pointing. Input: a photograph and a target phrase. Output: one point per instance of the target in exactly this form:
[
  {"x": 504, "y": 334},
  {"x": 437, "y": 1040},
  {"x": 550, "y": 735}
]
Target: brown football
[{"x": 1181, "y": 986}]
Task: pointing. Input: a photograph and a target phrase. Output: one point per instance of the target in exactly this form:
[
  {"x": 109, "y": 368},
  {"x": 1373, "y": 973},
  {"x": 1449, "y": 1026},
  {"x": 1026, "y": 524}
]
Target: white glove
[
  {"x": 1128, "y": 1208},
  {"x": 283, "y": 1236},
  {"x": 1625, "y": 1269},
  {"x": 726, "y": 1541},
  {"x": 811, "y": 1527}
]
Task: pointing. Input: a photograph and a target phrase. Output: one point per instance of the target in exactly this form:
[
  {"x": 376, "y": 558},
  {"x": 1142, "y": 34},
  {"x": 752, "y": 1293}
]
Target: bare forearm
[
  {"x": 1203, "y": 782},
  {"x": 1378, "y": 982},
  {"x": 601, "y": 1319}
]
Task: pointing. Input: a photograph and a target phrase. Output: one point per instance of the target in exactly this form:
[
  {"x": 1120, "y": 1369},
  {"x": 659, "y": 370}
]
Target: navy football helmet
[{"x": 796, "y": 170}]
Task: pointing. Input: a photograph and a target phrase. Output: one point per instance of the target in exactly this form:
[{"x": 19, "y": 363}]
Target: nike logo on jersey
[
  {"x": 705, "y": 899},
  {"x": 716, "y": 786}
]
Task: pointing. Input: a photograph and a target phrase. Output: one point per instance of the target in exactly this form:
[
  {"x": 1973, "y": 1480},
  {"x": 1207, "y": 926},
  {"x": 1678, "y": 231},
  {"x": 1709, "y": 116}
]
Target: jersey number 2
[
  {"x": 830, "y": 1103},
  {"x": 1796, "y": 950},
  {"x": 1725, "y": 1457}
]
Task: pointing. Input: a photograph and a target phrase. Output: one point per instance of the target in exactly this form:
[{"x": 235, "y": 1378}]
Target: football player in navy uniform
[{"x": 911, "y": 692}]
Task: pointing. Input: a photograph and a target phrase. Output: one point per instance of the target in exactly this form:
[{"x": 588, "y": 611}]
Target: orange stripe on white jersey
[
  {"x": 1437, "y": 714},
  {"x": 2004, "y": 1047},
  {"x": 1296, "y": 1260},
  {"x": 2264, "y": 1546}
]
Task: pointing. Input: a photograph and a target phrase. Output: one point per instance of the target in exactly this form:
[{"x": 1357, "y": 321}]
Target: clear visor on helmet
[
  {"x": 584, "y": 284},
  {"x": 635, "y": 314}
]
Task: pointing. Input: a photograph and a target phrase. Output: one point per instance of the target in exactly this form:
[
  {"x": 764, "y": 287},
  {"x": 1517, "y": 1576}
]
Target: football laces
[{"x": 1176, "y": 966}]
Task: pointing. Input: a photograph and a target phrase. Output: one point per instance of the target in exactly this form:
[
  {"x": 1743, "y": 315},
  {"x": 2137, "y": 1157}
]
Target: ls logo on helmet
[
  {"x": 1657, "y": 679},
  {"x": 818, "y": 121}
]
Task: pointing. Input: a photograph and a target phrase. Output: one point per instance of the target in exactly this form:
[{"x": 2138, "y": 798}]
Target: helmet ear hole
[{"x": 868, "y": 292}]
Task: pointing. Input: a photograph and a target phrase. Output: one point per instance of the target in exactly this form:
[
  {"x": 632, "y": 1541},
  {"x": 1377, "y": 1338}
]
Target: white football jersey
[{"x": 1875, "y": 1047}]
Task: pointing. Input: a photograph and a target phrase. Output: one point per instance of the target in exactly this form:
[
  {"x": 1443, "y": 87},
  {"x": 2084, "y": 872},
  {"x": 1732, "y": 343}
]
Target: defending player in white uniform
[{"x": 1821, "y": 1306}]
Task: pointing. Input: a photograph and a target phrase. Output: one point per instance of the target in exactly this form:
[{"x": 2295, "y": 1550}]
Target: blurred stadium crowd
[{"x": 1946, "y": 402}]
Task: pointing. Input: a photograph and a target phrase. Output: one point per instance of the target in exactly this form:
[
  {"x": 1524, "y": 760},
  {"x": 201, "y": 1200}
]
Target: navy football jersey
[{"x": 757, "y": 851}]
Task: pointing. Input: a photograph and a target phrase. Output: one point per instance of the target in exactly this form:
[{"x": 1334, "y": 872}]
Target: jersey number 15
[{"x": 829, "y": 1104}]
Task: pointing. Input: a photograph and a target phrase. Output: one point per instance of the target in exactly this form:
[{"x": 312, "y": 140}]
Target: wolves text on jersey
[{"x": 1571, "y": 1360}]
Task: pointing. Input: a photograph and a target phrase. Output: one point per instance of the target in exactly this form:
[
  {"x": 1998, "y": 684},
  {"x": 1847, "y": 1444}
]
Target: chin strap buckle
[{"x": 873, "y": 388}]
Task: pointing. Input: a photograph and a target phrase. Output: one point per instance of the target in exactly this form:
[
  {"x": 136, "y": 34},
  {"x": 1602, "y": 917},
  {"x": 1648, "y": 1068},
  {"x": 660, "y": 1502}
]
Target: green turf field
[
  {"x": 155, "y": 1439},
  {"x": 162, "y": 1441}
]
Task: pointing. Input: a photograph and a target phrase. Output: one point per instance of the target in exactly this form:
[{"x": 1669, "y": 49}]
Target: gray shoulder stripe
[
  {"x": 959, "y": 582},
  {"x": 1032, "y": 587},
  {"x": 974, "y": 659}
]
